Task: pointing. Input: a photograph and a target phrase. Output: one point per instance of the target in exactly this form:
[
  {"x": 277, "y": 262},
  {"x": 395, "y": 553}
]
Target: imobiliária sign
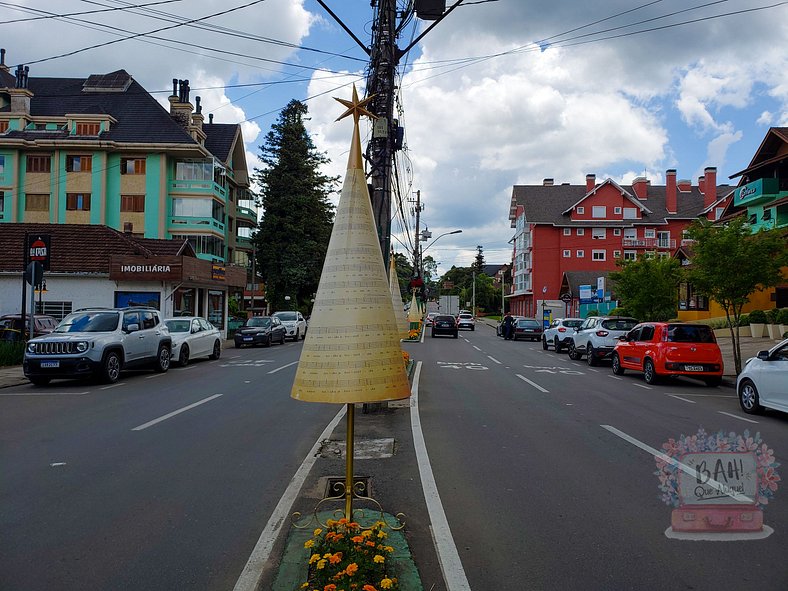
[{"x": 142, "y": 269}]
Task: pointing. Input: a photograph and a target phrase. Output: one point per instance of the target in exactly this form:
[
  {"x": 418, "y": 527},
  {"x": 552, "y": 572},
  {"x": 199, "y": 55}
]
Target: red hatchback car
[{"x": 662, "y": 349}]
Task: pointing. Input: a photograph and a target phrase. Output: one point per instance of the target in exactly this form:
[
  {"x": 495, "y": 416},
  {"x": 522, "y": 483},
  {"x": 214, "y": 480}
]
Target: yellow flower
[
  {"x": 366, "y": 533},
  {"x": 318, "y": 531},
  {"x": 321, "y": 564},
  {"x": 314, "y": 559},
  {"x": 331, "y": 523},
  {"x": 305, "y": 585},
  {"x": 309, "y": 543},
  {"x": 379, "y": 559},
  {"x": 389, "y": 549},
  {"x": 382, "y": 534},
  {"x": 351, "y": 569},
  {"x": 386, "y": 584},
  {"x": 327, "y": 555}
]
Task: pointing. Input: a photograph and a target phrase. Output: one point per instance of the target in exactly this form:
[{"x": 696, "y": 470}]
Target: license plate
[
  {"x": 248, "y": 338},
  {"x": 693, "y": 368},
  {"x": 50, "y": 364}
]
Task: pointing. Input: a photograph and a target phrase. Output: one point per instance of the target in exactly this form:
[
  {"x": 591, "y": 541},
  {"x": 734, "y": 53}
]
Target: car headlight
[
  {"x": 31, "y": 347},
  {"x": 82, "y": 346}
]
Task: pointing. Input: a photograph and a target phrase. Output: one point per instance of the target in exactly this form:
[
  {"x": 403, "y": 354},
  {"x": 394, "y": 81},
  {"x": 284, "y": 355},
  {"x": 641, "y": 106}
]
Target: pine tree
[{"x": 293, "y": 235}]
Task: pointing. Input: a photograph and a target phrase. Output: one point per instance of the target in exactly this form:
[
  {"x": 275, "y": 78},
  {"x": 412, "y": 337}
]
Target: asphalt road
[{"x": 534, "y": 456}]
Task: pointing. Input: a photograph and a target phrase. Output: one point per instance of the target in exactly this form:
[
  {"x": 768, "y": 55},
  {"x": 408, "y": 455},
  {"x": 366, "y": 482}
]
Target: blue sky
[{"x": 548, "y": 96}]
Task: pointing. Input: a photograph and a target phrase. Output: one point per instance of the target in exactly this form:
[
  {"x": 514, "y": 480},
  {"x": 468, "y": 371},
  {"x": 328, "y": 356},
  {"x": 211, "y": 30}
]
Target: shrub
[
  {"x": 782, "y": 316},
  {"x": 11, "y": 352},
  {"x": 771, "y": 315},
  {"x": 592, "y": 312},
  {"x": 757, "y": 317},
  {"x": 744, "y": 320},
  {"x": 619, "y": 312}
]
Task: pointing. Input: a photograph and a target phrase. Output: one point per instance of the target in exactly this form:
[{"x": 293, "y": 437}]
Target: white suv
[
  {"x": 99, "y": 342},
  {"x": 294, "y": 322},
  {"x": 560, "y": 332},
  {"x": 466, "y": 320},
  {"x": 597, "y": 336}
]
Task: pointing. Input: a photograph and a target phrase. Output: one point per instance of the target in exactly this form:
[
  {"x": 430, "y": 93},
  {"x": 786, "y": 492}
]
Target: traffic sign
[
  {"x": 34, "y": 273},
  {"x": 566, "y": 297}
]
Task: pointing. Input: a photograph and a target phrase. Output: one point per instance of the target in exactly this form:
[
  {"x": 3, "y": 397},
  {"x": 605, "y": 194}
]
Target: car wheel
[
  {"x": 282, "y": 339},
  {"x": 617, "y": 369},
  {"x": 649, "y": 372},
  {"x": 183, "y": 357},
  {"x": 456, "y": 335},
  {"x": 110, "y": 368},
  {"x": 574, "y": 354},
  {"x": 297, "y": 336},
  {"x": 163, "y": 359},
  {"x": 432, "y": 334},
  {"x": 544, "y": 344},
  {"x": 39, "y": 381},
  {"x": 590, "y": 359},
  {"x": 748, "y": 398},
  {"x": 217, "y": 350},
  {"x": 557, "y": 345},
  {"x": 473, "y": 328},
  {"x": 267, "y": 342}
]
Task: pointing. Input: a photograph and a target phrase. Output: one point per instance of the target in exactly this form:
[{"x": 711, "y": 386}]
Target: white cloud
[{"x": 766, "y": 118}]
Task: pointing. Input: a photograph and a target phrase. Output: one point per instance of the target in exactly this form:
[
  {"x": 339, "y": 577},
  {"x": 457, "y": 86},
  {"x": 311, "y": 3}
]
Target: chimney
[
  {"x": 20, "y": 94},
  {"x": 180, "y": 107},
  {"x": 590, "y": 182},
  {"x": 684, "y": 185},
  {"x": 210, "y": 118},
  {"x": 702, "y": 184},
  {"x": 3, "y": 66},
  {"x": 670, "y": 190},
  {"x": 547, "y": 183},
  {"x": 640, "y": 187},
  {"x": 128, "y": 227},
  {"x": 710, "y": 192}
]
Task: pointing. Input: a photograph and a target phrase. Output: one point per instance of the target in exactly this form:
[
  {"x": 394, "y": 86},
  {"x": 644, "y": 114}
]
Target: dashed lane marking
[
  {"x": 534, "y": 384},
  {"x": 680, "y": 398},
  {"x": 737, "y": 417}
]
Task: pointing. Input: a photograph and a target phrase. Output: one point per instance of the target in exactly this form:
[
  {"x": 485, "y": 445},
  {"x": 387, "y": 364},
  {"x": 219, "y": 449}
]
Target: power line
[{"x": 36, "y": 18}]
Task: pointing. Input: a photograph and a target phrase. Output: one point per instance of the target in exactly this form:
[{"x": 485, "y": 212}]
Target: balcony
[
  {"x": 179, "y": 224},
  {"x": 243, "y": 242},
  {"x": 246, "y": 213},
  {"x": 202, "y": 187},
  {"x": 649, "y": 243}
]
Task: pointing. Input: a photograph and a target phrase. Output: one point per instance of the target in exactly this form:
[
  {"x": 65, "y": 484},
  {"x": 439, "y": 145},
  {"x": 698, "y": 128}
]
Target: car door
[
  {"x": 643, "y": 345},
  {"x": 627, "y": 350},
  {"x": 196, "y": 338},
  {"x": 208, "y": 336},
  {"x": 773, "y": 383},
  {"x": 135, "y": 336},
  {"x": 584, "y": 333}
]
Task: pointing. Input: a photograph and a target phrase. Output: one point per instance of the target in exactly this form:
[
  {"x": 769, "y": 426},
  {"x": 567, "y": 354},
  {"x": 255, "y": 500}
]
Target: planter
[
  {"x": 722, "y": 333},
  {"x": 774, "y": 331},
  {"x": 745, "y": 331},
  {"x": 783, "y": 328},
  {"x": 757, "y": 330}
]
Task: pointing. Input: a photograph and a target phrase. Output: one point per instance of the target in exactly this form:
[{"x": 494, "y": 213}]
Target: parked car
[
  {"x": 466, "y": 320},
  {"x": 260, "y": 330},
  {"x": 294, "y": 322},
  {"x": 192, "y": 337},
  {"x": 499, "y": 328},
  {"x": 763, "y": 382},
  {"x": 444, "y": 324},
  {"x": 560, "y": 332},
  {"x": 597, "y": 337},
  {"x": 662, "y": 349},
  {"x": 527, "y": 328},
  {"x": 11, "y": 326},
  {"x": 429, "y": 318},
  {"x": 99, "y": 342}
]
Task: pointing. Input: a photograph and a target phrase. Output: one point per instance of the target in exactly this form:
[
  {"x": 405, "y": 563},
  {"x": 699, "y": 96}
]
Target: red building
[{"x": 583, "y": 230}]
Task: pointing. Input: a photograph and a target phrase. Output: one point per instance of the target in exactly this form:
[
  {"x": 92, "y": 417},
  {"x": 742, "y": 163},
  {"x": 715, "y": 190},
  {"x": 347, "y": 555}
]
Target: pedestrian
[{"x": 507, "y": 327}]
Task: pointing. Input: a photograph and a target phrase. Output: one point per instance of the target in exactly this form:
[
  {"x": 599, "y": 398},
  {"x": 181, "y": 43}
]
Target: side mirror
[
  {"x": 763, "y": 355},
  {"x": 623, "y": 338},
  {"x": 134, "y": 327}
]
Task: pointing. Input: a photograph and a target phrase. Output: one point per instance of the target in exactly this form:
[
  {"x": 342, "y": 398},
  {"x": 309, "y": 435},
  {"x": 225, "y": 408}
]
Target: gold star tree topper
[{"x": 357, "y": 108}]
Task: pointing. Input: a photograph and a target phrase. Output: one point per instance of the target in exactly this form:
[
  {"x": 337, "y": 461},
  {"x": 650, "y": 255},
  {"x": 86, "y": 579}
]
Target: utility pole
[{"x": 417, "y": 250}]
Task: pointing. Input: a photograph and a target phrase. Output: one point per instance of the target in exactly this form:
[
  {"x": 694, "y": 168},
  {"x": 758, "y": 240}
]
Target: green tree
[
  {"x": 404, "y": 270},
  {"x": 648, "y": 288},
  {"x": 478, "y": 261},
  {"x": 430, "y": 276},
  {"x": 729, "y": 263},
  {"x": 293, "y": 235}
]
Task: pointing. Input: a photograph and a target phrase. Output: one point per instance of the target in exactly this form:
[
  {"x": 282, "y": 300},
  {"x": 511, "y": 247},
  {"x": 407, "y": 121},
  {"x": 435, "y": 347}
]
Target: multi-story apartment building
[
  {"x": 565, "y": 232},
  {"x": 102, "y": 150}
]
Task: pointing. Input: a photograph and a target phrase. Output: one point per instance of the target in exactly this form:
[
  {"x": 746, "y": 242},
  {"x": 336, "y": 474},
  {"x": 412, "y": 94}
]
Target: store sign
[
  {"x": 586, "y": 294},
  {"x": 145, "y": 269},
  {"x": 756, "y": 191},
  {"x": 38, "y": 249},
  {"x": 217, "y": 272}
]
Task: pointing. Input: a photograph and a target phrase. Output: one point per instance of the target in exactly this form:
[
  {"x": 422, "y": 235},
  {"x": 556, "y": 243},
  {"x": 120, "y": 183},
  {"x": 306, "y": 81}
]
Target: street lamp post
[{"x": 420, "y": 252}]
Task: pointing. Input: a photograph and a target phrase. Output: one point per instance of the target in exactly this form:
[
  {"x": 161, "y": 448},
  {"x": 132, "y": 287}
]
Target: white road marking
[
  {"x": 494, "y": 360},
  {"x": 184, "y": 368},
  {"x": 680, "y": 398},
  {"x": 156, "y": 375},
  {"x": 475, "y": 347},
  {"x": 642, "y": 386},
  {"x": 706, "y": 395},
  {"x": 253, "y": 571},
  {"x": 175, "y": 412},
  {"x": 44, "y": 393},
  {"x": 448, "y": 557},
  {"x": 615, "y": 377},
  {"x": 534, "y": 384},
  {"x": 466, "y": 340},
  {"x": 283, "y": 367},
  {"x": 592, "y": 369},
  {"x": 681, "y": 466},
  {"x": 115, "y": 385},
  {"x": 737, "y": 417},
  {"x": 56, "y": 464}
]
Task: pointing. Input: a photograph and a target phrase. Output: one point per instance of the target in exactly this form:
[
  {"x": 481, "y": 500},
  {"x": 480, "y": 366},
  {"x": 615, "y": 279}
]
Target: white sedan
[
  {"x": 764, "y": 381},
  {"x": 193, "y": 336}
]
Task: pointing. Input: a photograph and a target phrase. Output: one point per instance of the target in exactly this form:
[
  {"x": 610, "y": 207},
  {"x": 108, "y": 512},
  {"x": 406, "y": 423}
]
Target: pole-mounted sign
[{"x": 38, "y": 249}]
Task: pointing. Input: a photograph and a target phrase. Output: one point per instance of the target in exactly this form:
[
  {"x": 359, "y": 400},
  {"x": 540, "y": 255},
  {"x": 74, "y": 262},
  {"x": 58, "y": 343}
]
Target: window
[
  {"x": 581, "y": 231},
  {"x": 88, "y": 128},
  {"x": 38, "y": 164},
  {"x": 581, "y": 210},
  {"x": 649, "y": 233},
  {"x": 194, "y": 170},
  {"x": 2, "y": 164},
  {"x": 598, "y": 255},
  {"x": 599, "y": 233},
  {"x": 631, "y": 233},
  {"x": 3, "y": 126},
  {"x": 616, "y": 231},
  {"x": 616, "y": 254},
  {"x": 599, "y": 211},
  {"x": 2, "y": 204},
  {"x": 630, "y": 255},
  {"x": 567, "y": 254},
  {"x": 646, "y": 333},
  {"x": 663, "y": 239},
  {"x": 718, "y": 211},
  {"x": 580, "y": 254},
  {"x": 149, "y": 320},
  {"x": 37, "y": 202},
  {"x": 132, "y": 166},
  {"x": 567, "y": 231},
  {"x": 630, "y": 213},
  {"x": 617, "y": 210},
  {"x": 132, "y": 203},
  {"x": 79, "y": 163},
  {"x": 198, "y": 208},
  {"x": 77, "y": 201}
]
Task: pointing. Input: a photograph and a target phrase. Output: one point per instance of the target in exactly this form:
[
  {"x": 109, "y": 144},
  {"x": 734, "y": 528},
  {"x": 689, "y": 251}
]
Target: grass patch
[{"x": 11, "y": 352}]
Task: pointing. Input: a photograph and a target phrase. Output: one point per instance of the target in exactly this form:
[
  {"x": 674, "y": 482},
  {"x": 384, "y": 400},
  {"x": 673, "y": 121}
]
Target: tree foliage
[
  {"x": 648, "y": 288},
  {"x": 293, "y": 235},
  {"x": 404, "y": 270},
  {"x": 729, "y": 263}
]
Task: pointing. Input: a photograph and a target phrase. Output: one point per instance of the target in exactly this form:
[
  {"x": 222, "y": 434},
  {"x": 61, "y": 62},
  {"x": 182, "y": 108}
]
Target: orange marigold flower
[
  {"x": 342, "y": 521},
  {"x": 351, "y": 569},
  {"x": 370, "y": 543},
  {"x": 356, "y": 539},
  {"x": 336, "y": 558},
  {"x": 368, "y": 588},
  {"x": 330, "y": 587},
  {"x": 353, "y": 525}
]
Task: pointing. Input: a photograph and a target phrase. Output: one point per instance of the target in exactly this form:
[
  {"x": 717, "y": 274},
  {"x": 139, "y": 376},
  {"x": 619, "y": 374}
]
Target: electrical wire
[{"x": 37, "y": 18}]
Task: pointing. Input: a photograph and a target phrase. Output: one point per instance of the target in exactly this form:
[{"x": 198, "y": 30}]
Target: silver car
[
  {"x": 466, "y": 321},
  {"x": 764, "y": 381},
  {"x": 192, "y": 337},
  {"x": 294, "y": 322}
]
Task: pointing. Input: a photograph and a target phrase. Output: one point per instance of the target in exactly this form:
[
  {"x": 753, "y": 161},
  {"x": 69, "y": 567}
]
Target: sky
[{"x": 499, "y": 93}]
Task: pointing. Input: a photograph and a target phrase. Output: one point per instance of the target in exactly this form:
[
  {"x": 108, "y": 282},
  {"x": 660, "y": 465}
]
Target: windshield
[
  {"x": 286, "y": 316},
  {"x": 89, "y": 322},
  {"x": 619, "y": 323},
  {"x": 573, "y": 323},
  {"x": 259, "y": 322},
  {"x": 527, "y": 324},
  {"x": 179, "y": 325}
]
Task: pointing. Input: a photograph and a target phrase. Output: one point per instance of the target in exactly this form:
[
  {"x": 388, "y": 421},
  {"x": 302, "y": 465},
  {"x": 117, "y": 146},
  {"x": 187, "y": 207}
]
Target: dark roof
[
  {"x": 546, "y": 204},
  {"x": 7, "y": 79},
  {"x": 220, "y": 139},
  {"x": 769, "y": 152},
  {"x": 574, "y": 279},
  {"x": 491, "y": 270},
  {"x": 81, "y": 248},
  {"x": 139, "y": 117}
]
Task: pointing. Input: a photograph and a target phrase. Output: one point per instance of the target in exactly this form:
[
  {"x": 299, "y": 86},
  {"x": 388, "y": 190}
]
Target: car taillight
[
  {"x": 562, "y": 329},
  {"x": 602, "y": 333}
]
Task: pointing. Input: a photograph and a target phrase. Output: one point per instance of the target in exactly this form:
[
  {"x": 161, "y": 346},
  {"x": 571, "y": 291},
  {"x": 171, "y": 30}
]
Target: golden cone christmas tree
[
  {"x": 396, "y": 300},
  {"x": 414, "y": 314},
  {"x": 352, "y": 350}
]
